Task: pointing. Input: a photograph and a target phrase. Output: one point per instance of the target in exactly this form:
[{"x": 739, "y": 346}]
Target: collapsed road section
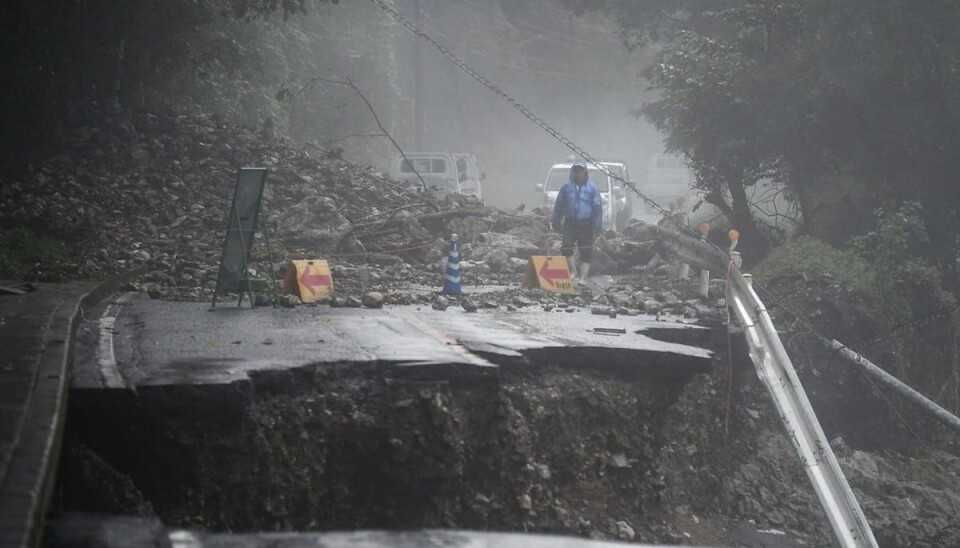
[
  {"x": 318, "y": 419},
  {"x": 345, "y": 419}
]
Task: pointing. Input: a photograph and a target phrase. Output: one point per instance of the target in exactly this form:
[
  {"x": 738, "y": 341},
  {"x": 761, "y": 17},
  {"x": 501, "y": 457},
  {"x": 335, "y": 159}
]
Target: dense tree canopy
[
  {"x": 58, "y": 54},
  {"x": 851, "y": 103},
  {"x": 645, "y": 21}
]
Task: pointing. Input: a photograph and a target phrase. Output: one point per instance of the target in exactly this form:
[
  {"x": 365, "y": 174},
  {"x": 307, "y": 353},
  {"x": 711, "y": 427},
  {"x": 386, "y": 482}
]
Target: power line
[
  {"x": 506, "y": 64},
  {"x": 587, "y": 157},
  {"x": 521, "y": 56},
  {"x": 530, "y": 115},
  {"x": 509, "y": 64},
  {"x": 559, "y": 36},
  {"x": 563, "y": 69}
]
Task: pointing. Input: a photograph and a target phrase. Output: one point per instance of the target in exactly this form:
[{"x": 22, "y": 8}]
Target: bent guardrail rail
[{"x": 776, "y": 371}]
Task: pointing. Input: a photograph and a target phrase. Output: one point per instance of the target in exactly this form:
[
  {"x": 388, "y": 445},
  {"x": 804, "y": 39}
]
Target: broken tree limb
[
  {"x": 452, "y": 214},
  {"x": 349, "y": 82}
]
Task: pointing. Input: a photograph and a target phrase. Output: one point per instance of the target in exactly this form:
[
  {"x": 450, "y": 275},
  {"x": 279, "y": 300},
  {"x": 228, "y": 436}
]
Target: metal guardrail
[
  {"x": 948, "y": 419},
  {"x": 775, "y": 369}
]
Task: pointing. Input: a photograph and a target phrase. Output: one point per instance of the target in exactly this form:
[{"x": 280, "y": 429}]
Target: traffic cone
[{"x": 451, "y": 269}]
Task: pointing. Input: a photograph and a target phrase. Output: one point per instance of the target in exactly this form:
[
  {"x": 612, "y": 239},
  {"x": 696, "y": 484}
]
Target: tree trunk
[{"x": 754, "y": 244}]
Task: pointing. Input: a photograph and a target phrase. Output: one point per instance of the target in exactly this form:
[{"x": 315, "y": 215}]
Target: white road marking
[
  {"x": 106, "y": 358},
  {"x": 451, "y": 343},
  {"x": 184, "y": 539}
]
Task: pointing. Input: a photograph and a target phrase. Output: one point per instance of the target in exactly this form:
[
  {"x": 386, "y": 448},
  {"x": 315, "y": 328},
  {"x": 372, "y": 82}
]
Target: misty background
[
  {"x": 255, "y": 69},
  {"x": 847, "y": 109},
  {"x": 573, "y": 71}
]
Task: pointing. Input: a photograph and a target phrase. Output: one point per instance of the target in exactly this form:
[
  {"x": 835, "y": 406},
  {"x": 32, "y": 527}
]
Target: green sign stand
[{"x": 233, "y": 275}]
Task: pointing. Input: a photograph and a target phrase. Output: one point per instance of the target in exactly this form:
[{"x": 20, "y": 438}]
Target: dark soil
[
  {"x": 589, "y": 452},
  {"x": 364, "y": 447}
]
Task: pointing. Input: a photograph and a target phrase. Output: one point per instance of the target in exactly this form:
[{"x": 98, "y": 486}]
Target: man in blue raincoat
[{"x": 578, "y": 215}]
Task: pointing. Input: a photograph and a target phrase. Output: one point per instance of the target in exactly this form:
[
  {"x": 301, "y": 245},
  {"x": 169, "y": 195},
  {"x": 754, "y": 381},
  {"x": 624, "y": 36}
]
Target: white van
[
  {"x": 453, "y": 171},
  {"x": 616, "y": 205}
]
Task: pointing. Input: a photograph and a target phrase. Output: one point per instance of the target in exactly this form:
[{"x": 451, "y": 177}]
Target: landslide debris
[
  {"x": 125, "y": 189},
  {"x": 133, "y": 188},
  {"x": 367, "y": 446}
]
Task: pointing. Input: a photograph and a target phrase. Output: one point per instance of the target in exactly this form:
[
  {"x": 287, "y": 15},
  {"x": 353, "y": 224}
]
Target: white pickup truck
[{"x": 617, "y": 204}]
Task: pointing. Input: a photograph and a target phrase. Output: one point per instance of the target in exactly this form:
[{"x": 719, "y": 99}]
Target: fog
[{"x": 574, "y": 72}]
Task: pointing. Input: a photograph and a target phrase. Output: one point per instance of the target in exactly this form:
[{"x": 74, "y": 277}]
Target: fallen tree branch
[
  {"x": 452, "y": 214},
  {"x": 349, "y": 82}
]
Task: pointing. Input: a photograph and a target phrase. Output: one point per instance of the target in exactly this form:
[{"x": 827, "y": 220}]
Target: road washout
[
  {"x": 533, "y": 445},
  {"x": 537, "y": 444}
]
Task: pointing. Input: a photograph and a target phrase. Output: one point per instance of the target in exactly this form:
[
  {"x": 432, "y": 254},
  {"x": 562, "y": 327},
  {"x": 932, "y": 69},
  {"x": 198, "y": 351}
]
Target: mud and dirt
[
  {"x": 528, "y": 447},
  {"x": 531, "y": 447}
]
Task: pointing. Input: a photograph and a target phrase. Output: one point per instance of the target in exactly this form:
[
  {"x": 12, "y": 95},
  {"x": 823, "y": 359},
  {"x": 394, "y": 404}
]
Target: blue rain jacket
[{"x": 578, "y": 205}]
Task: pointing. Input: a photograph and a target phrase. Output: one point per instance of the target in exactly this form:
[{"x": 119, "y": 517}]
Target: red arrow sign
[
  {"x": 310, "y": 281},
  {"x": 553, "y": 275}
]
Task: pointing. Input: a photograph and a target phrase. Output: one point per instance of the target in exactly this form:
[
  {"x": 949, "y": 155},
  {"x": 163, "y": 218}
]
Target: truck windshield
[
  {"x": 424, "y": 165},
  {"x": 560, "y": 175}
]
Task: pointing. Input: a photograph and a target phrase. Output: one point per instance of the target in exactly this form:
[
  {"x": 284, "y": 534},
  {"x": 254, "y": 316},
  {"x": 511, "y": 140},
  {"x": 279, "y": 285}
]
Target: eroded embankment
[{"x": 593, "y": 451}]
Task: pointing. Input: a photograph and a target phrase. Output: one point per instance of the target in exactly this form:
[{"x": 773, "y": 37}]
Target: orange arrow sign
[
  {"x": 310, "y": 281},
  {"x": 550, "y": 273},
  {"x": 553, "y": 275}
]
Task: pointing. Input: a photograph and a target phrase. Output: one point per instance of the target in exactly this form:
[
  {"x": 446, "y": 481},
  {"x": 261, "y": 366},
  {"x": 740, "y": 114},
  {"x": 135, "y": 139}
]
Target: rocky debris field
[
  {"x": 151, "y": 189},
  {"x": 127, "y": 189},
  {"x": 601, "y": 453},
  {"x": 539, "y": 448}
]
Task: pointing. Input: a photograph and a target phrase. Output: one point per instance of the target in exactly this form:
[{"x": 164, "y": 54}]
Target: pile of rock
[{"x": 129, "y": 189}]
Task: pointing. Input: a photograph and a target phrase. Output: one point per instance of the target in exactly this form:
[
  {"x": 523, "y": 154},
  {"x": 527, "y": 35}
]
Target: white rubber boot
[
  {"x": 584, "y": 272},
  {"x": 572, "y": 265}
]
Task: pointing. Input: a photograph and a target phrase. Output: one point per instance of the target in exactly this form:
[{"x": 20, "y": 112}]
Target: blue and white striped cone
[{"x": 451, "y": 271}]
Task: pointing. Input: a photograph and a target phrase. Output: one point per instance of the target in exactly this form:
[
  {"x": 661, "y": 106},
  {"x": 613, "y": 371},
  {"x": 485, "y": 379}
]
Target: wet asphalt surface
[{"x": 133, "y": 341}]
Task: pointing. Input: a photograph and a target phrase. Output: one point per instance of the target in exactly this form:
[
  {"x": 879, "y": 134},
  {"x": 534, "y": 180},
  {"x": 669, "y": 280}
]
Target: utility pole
[{"x": 418, "y": 128}]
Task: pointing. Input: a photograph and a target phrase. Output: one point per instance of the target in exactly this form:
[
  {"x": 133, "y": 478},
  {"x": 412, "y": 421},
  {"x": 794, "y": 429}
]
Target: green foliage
[
  {"x": 811, "y": 258},
  {"x": 26, "y": 255},
  {"x": 886, "y": 265},
  {"x": 853, "y": 104},
  {"x": 879, "y": 285},
  {"x": 910, "y": 285},
  {"x": 246, "y": 9},
  {"x": 814, "y": 91},
  {"x": 899, "y": 235},
  {"x": 139, "y": 53},
  {"x": 648, "y": 21}
]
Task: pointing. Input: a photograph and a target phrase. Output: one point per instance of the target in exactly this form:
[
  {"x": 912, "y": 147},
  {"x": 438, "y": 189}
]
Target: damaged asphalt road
[
  {"x": 138, "y": 341},
  {"x": 312, "y": 419},
  {"x": 320, "y": 418}
]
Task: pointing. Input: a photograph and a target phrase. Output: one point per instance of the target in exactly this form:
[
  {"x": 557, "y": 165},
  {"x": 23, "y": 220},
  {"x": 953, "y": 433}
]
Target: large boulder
[{"x": 316, "y": 221}]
